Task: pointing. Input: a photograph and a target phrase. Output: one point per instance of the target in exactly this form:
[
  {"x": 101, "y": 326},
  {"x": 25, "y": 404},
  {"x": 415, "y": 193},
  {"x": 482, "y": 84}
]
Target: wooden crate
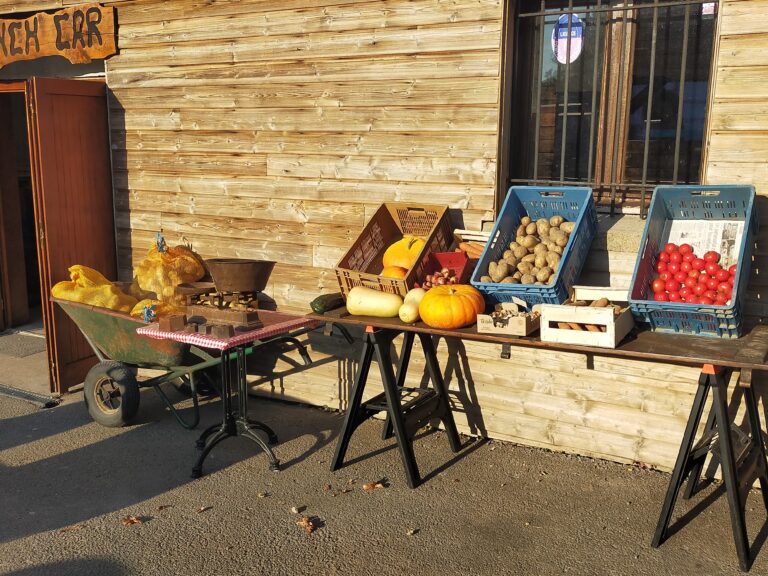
[
  {"x": 513, "y": 326},
  {"x": 362, "y": 264},
  {"x": 612, "y": 328}
]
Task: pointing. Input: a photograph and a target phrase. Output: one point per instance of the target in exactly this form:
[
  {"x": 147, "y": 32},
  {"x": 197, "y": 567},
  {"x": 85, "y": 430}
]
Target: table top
[
  {"x": 748, "y": 352},
  {"x": 274, "y": 324}
]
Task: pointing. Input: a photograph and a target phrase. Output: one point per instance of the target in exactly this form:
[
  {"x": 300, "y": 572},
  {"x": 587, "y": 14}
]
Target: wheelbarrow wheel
[{"x": 111, "y": 394}]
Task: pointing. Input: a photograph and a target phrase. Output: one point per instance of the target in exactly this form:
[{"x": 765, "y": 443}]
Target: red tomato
[
  {"x": 712, "y": 284},
  {"x": 693, "y": 300},
  {"x": 705, "y": 300},
  {"x": 703, "y": 278},
  {"x": 665, "y": 276},
  {"x": 676, "y": 257},
  {"x": 711, "y": 294},
  {"x": 664, "y": 256},
  {"x": 732, "y": 270},
  {"x": 711, "y": 268},
  {"x": 693, "y": 274},
  {"x": 700, "y": 289},
  {"x": 691, "y": 282},
  {"x": 730, "y": 280},
  {"x": 670, "y": 248},
  {"x": 681, "y": 277},
  {"x": 658, "y": 285},
  {"x": 661, "y": 297},
  {"x": 685, "y": 267},
  {"x": 685, "y": 292},
  {"x": 724, "y": 287},
  {"x": 690, "y": 257},
  {"x": 685, "y": 249},
  {"x": 698, "y": 264},
  {"x": 673, "y": 267},
  {"x": 675, "y": 297},
  {"x": 712, "y": 256},
  {"x": 661, "y": 266},
  {"x": 722, "y": 275},
  {"x": 721, "y": 299},
  {"x": 672, "y": 286}
]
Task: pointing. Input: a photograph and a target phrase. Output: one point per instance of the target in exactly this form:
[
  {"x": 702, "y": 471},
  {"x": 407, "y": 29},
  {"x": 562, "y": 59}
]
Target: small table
[
  {"x": 276, "y": 327},
  {"x": 717, "y": 358}
]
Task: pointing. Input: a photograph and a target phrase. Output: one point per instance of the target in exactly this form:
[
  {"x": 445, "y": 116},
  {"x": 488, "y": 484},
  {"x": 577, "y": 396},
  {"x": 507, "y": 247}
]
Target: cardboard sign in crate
[
  {"x": 511, "y": 326},
  {"x": 362, "y": 263},
  {"x": 587, "y": 325}
]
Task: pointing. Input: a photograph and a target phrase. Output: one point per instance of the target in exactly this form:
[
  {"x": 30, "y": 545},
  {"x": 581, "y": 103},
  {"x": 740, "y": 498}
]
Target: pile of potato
[{"x": 534, "y": 256}]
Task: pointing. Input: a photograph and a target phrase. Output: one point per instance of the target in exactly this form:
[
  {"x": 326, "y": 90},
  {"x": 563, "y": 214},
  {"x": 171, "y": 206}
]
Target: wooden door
[{"x": 72, "y": 181}]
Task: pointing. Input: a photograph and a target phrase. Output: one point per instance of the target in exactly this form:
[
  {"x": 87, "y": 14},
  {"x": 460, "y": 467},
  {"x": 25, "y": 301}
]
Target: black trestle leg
[
  {"x": 698, "y": 465},
  {"x": 682, "y": 462},
  {"x": 758, "y": 441},
  {"x": 381, "y": 344},
  {"x": 728, "y": 465},
  {"x": 436, "y": 375},
  {"x": 402, "y": 372},
  {"x": 351, "y": 418}
]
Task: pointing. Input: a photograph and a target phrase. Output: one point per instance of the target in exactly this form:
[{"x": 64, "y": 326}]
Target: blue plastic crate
[
  {"x": 694, "y": 203},
  {"x": 573, "y": 203}
]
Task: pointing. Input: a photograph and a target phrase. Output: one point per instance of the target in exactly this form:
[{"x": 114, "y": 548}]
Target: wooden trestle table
[{"x": 409, "y": 409}]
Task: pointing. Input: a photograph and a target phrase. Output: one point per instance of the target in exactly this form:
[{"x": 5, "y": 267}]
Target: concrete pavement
[{"x": 67, "y": 484}]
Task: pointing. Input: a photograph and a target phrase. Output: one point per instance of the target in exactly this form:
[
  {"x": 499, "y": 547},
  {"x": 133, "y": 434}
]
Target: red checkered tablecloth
[{"x": 275, "y": 323}]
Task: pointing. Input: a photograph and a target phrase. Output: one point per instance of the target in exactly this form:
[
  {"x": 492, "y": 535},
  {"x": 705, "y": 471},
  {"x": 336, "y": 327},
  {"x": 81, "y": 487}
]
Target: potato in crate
[
  {"x": 538, "y": 245},
  {"x": 394, "y": 247},
  {"x": 694, "y": 261}
]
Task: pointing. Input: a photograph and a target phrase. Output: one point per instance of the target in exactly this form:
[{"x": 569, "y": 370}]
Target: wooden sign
[{"x": 79, "y": 34}]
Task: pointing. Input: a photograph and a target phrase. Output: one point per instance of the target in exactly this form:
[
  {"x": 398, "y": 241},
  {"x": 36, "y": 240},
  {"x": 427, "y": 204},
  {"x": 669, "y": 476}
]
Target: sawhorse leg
[
  {"x": 690, "y": 459},
  {"x": 353, "y": 418}
]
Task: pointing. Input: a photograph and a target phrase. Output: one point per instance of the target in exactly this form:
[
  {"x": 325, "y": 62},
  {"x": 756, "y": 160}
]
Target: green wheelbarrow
[{"x": 111, "y": 388}]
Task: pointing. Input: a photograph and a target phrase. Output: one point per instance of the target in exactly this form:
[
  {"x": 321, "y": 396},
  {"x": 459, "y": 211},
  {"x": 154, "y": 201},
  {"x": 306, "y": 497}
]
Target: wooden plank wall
[
  {"x": 273, "y": 130},
  {"x": 737, "y": 133}
]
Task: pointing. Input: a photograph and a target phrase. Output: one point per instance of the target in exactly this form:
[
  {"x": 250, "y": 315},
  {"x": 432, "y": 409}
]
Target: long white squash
[{"x": 363, "y": 301}]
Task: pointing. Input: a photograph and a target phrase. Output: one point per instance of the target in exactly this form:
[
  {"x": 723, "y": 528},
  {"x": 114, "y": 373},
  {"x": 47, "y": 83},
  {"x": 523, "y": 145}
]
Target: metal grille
[{"x": 611, "y": 95}]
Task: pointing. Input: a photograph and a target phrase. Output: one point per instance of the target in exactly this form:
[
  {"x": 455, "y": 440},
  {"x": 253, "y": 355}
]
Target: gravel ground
[{"x": 67, "y": 485}]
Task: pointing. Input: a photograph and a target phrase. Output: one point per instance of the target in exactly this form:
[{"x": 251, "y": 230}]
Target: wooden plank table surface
[{"x": 748, "y": 352}]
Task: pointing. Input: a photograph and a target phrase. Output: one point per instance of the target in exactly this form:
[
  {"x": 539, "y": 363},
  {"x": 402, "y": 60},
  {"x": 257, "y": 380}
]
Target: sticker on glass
[{"x": 560, "y": 39}]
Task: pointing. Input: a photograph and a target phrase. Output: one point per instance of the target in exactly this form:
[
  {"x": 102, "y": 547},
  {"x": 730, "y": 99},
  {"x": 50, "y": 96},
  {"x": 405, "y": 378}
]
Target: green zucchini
[{"x": 327, "y": 302}]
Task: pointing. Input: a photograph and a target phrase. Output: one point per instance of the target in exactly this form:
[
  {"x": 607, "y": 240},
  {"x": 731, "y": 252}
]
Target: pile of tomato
[{"x": 684, "y": 277}]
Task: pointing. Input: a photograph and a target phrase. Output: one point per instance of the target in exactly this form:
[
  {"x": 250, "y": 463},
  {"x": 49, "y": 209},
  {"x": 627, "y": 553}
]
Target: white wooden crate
[{"x": 615, "y": 327}]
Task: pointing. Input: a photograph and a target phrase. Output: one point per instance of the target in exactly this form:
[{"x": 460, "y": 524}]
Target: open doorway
[{"x": 22, "y": 340}]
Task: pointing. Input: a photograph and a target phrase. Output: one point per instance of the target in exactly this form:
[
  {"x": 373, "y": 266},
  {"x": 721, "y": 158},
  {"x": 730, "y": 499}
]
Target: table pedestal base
[{"x": 235, "y": 422}]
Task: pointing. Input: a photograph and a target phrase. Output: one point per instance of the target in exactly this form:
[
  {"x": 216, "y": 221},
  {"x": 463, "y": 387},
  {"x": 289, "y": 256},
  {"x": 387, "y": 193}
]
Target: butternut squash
[{"x": 362, "y": 301}]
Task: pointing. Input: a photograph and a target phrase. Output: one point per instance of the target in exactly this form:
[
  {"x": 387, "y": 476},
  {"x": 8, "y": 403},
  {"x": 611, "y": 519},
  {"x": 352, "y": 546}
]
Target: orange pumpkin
[
  {"x": 404, "y": 252},
  {"x": 451, "y": 306},
  {"x": 394, "y": 272}
]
